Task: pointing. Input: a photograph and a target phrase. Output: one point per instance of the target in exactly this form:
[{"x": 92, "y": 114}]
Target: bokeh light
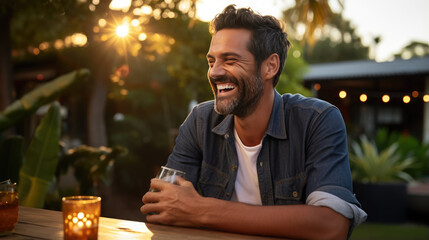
[
  {"x": 79, "y": 39},
  {"x": 385, "y": 98},
  {"x": 317, "y": 86},
  {"x": 363, "y": 97},
  {"x": 342, "y": 94},
  {"x": 406, "y": 99}
]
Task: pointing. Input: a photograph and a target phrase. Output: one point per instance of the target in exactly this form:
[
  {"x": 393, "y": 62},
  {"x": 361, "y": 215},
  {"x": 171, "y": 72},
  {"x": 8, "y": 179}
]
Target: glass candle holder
[
  {"x": 8, "y": 207},
  {"x": 81, "y": 216}
]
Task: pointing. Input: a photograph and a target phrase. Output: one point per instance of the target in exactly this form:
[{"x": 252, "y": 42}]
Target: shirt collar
[{"x": 276, "y": 126}]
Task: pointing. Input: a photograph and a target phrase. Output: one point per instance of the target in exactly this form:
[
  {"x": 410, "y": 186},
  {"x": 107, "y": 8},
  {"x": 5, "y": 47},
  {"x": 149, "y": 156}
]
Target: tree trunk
[
  {"x": 96, "y": 110},
  {"x": 6, "y": 81}
]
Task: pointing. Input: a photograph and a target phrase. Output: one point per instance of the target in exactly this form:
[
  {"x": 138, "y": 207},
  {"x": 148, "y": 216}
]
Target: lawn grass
[{"x": 379, "y": 231}]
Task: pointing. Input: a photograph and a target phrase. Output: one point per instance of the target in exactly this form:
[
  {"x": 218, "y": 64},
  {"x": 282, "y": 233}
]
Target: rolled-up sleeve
[{"x": 348, "y": 210}]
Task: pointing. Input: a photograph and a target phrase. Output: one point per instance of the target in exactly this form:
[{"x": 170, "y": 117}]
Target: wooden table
[{"x": 34, "y": 223}]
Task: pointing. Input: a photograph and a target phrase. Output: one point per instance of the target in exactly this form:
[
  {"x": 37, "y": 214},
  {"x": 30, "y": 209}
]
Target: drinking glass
[
  {"x": 81, "y": 216},
  {"x": 168, "y": 175},
  {"x": 8, "y": 207}
]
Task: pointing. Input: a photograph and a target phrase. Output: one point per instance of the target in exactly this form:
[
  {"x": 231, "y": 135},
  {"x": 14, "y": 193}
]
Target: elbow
[{"x": 337, "y": 229}]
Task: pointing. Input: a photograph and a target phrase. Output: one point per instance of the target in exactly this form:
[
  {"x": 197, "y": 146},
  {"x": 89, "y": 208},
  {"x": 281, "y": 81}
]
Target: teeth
[{"x": 225, "y": 86}]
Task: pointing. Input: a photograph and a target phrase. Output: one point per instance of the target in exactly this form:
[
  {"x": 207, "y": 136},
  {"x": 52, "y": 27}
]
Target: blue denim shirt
[{"x": 304, "y": 150}]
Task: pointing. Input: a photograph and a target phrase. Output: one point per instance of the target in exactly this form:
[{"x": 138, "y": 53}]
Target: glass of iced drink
[{"x": 8, "y": 207}]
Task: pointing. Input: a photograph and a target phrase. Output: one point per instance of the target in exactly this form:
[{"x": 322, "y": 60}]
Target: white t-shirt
[
  {"x": 247, "y": 186},
  {"x": 246, "y": 183}
]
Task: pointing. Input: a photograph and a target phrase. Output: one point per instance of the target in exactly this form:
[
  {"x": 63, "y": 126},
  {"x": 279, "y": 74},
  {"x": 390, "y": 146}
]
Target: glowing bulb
[
  {"x": 385, "y": 98},
  {"x": 317, "y": 86},
  {"x": 415, "y": 94},
  {"x": 343, "y": 94},
  {"x": 363, "y": 97},
  {"x": 122, "y": 30},
  {"x": 426, "y": 98},
  {"x": 406, "y": 99}
]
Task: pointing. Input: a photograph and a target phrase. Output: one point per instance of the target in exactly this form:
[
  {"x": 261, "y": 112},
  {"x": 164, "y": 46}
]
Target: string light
[
  {"x": 343, "y": 94},
  {"x": 426, "y": 98},
  {"x": 406, "y": 99},
  {"x": 385, "y": 98},
  {"x": 363, "y": 97},
  {"x": 317, "y": 86}
]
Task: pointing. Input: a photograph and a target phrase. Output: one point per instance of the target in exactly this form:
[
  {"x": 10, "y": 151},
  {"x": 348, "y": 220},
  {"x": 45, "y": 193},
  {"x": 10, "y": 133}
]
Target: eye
[
  {"x": 230, "y": 61},
  {"x": 210, "y": 62}
]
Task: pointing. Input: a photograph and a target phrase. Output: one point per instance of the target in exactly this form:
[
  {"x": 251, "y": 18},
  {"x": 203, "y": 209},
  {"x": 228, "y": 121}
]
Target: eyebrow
[{"x": 226, "y": 54}]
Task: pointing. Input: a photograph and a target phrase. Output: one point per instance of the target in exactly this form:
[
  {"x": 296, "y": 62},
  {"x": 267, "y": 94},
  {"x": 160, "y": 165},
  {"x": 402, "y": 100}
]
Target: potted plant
[
  {"x": 34, "y": 166},
  {"x": 380, "y": 182}
]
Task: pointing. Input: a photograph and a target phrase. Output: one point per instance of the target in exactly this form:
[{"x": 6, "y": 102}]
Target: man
[{"x": 257, "y": 162}]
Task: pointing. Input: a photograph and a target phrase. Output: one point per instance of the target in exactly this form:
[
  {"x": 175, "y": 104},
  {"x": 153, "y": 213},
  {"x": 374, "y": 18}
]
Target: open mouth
[{"x": 225, "y": 87}]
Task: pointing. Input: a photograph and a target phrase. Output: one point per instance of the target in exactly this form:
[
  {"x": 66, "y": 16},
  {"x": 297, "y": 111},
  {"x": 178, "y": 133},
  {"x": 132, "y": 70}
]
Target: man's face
[{"x": 236, "y": 84}]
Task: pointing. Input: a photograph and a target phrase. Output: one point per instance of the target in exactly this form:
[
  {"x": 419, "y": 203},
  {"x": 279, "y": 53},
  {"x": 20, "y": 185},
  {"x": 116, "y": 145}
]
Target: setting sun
[{"x": 122, "y": 30}]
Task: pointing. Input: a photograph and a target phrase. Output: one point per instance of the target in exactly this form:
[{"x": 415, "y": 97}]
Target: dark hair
[{"x": 267, "y": 35}]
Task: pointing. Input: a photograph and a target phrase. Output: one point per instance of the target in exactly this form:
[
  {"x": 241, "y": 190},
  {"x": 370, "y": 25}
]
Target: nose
[{"x": 216, "y": 70}]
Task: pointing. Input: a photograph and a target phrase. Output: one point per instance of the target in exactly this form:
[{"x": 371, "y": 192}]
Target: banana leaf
[
  {"x": 40, "y": 96},
  {"x": 41, "y": 159}
]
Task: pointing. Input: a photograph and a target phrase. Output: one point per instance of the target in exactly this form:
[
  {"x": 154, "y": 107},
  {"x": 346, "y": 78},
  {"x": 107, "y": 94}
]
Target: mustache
[{"x": 223, "y": 79}]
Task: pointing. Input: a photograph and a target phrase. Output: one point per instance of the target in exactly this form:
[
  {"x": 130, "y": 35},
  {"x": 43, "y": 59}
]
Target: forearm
[{"x": 293, "y": 221}]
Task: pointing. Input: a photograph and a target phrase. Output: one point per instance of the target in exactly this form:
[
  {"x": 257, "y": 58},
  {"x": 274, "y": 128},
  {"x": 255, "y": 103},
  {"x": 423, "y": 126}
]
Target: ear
[{"x": 270, "y": 66}]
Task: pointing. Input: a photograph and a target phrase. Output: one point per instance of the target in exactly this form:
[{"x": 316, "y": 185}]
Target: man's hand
[
  {"x": 173, "y": 204},
  {"x": 181, "y": 205}
]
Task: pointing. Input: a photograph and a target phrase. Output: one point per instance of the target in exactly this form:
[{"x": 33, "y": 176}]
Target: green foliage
[
  {"x": 369, "y": 164},
  {"x": 408, "y": 146},
  {"x": 293, "y": 73},
  {"x": 376, "y": 231},
  {"x": 41, "y": 160},
  {"x": 339, "y": 42},
  {"x": 12, "y": 155},
  {"x": 91, "y": 165},
  {"x": 41, "y": 156},
  {"x": 414, "y": 49},
  {"x": 40, "y": 96}
]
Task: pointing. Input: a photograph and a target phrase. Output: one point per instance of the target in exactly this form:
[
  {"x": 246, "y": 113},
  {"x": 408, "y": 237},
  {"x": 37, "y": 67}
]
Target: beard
[{"x": 244, "y": 102}]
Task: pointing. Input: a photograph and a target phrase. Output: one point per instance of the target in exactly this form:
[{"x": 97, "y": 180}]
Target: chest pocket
[
  {"x": 290, "y": 190},
  {"x": 212, "y": 182}
]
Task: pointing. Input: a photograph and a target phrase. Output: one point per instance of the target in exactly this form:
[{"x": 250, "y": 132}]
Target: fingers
[
  {"x": 149, "y": 208},
  {"x": 182, "y": 182},
  {"x": 157, "y": 184}
]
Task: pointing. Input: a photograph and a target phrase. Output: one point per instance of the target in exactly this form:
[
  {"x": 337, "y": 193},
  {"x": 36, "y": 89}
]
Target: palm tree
[{"x": 313, "y": 14}]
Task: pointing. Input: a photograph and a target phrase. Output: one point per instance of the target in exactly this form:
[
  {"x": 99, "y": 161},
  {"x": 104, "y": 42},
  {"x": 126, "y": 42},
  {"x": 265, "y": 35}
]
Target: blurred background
[{"x": 124, "y": 74}]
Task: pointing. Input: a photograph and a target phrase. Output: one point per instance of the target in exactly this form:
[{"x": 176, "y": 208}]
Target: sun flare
[{"x": 122, "y": 30}]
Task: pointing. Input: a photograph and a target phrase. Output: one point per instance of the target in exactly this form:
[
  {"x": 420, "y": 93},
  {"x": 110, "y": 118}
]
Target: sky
[{"x": 397, "y": 22}]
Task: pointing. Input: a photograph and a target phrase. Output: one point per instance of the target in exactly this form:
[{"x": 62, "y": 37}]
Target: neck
[{"x": 251, "y": 129}]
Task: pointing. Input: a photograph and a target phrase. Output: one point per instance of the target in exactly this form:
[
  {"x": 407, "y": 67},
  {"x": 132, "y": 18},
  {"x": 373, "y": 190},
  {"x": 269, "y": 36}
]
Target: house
[{"x": 373, "y": 95}]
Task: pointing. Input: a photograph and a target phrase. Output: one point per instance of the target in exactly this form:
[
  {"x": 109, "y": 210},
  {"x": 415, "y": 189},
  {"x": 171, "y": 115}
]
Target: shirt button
[
  {"x": 234, "y": 167},
  {"x": 227, "y": 136},
  {"x": 295, "y": 194},
  {"x": 228, "y": 194}
]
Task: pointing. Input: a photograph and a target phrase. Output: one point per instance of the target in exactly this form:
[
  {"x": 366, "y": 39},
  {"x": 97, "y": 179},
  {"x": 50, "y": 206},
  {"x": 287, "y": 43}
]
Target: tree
[
  {"x": 309, "y": 14},
  {"x": 414, "y": 49},
  {"x": 338, "y": 42},
  {"x": 50, "y": 22}
]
